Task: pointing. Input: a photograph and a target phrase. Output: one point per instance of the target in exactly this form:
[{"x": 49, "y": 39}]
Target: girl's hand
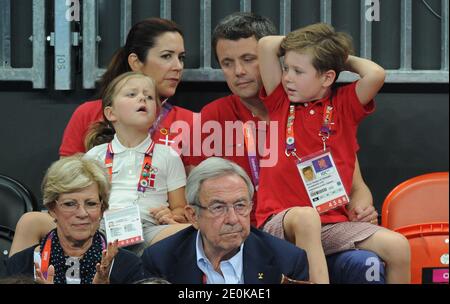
[{"x": 164, "y": 216}]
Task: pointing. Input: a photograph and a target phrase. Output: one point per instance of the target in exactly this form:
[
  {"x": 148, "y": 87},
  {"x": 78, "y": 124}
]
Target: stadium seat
[
  {"x": 6, "y": 237},
  {"x": 418, "y": 208},
  {"x": 15, "y": 200},
  {"x": 422, "y": 199}
]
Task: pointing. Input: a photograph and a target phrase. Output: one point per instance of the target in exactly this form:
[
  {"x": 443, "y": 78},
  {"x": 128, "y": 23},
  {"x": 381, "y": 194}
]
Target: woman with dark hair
[{"x": 154, "y": 47}]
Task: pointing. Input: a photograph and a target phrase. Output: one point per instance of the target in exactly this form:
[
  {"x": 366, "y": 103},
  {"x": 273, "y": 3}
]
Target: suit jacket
[{"x": 265, "y": 259}]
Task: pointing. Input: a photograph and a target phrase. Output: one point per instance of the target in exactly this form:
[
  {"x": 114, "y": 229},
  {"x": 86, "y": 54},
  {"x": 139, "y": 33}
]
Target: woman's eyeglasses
[{"x": 70, "y": 206}]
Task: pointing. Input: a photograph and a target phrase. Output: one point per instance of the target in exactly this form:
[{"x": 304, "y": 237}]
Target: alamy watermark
[
  {"x": 373, "y": 12},
  {"x": 374, "y": 270},
  {"x": 73, "y": 12},
  {"x": 211, "y": 138}
]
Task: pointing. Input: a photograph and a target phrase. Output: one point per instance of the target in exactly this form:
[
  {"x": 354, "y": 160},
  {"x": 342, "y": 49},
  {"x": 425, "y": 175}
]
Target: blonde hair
[
  {"x": 71, "y": 174},
  {"x": 103, "y": 131},
  {"x": 329, "y": 49}
]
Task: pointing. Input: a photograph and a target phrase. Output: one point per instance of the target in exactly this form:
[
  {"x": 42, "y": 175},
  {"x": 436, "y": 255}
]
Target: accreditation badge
[
  {"x": 36, "y": 260},
  {"x": 124, "y": 225},
  {"x": 322, "y": 181}
]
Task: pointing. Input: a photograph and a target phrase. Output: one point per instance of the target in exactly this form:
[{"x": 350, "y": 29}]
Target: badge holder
[
  {"x": 124, "y": 225},
  {"x": 322, "y": 181}
]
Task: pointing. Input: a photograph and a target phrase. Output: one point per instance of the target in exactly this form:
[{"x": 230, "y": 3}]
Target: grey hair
[
  {"x": 242, "y": 25},
  {"x": 211, "y": 168}
]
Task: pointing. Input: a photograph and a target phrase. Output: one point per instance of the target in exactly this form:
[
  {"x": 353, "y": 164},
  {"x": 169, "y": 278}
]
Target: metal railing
[
  {"x": 35, "y": 74},
  {"x": 64, "y": 41}
]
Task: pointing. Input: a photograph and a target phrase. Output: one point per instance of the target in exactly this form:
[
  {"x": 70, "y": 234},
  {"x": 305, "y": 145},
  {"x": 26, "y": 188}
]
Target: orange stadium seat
[{"x": 418, "y": 208}]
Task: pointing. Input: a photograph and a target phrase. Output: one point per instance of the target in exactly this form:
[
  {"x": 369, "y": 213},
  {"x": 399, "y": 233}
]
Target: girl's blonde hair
[
  {"x": 103, "y": 131},
  {"x": 328, "y": 48}
]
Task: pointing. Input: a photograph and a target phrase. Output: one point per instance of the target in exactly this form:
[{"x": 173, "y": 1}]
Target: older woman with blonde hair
[{"x": 76, "y": 192}]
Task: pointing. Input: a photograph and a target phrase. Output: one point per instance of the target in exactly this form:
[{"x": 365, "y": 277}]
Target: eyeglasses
[
  {"x": 241, "y": 208},
  {"x": 71, "y": 206}
]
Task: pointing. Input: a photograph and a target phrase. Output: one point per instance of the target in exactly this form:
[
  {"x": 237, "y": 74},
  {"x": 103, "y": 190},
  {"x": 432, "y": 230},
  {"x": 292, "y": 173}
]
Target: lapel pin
[{"x": 260, "y": 275}]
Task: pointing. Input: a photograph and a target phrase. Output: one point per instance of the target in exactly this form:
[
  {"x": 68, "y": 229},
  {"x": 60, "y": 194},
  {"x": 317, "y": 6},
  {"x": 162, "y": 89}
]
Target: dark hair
[
  {"x": 141, "y": 37},
  {"x": 242, "y": 25}
]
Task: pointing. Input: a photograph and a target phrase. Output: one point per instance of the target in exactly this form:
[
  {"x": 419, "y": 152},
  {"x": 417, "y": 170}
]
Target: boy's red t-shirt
[{"x": 281, "y": 186}]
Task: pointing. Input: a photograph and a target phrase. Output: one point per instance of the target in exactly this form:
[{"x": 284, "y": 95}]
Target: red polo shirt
[
  {"x": 78, "y": 126},
  {"x": 91, "y": 112},
  {"x": 281, "y": 186},
  {"x": 230, "y": 109}
]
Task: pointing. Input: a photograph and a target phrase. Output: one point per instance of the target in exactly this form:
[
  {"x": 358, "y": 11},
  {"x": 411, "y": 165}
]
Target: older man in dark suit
[{"x": 220, "y": 247}]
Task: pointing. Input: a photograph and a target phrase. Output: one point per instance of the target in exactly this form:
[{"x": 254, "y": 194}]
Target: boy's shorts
[{"x": 335, "y": 237}]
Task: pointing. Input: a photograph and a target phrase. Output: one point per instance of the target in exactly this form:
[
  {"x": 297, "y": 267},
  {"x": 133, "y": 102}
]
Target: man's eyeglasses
[
  {"x": 218, "y": 209},
  {"x": 71, "y": 206}
]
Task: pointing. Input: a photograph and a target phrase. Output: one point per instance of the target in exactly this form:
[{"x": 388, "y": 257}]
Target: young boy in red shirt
[{"x": 317, "y": 128}]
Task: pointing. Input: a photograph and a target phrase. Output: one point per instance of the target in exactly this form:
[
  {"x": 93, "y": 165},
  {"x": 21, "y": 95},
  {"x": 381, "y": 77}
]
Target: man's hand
[{"x": 367, "y": 214}]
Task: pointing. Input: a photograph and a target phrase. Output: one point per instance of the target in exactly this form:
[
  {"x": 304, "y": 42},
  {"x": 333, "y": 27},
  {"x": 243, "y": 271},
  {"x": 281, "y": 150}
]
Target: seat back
[
  {"x": 6, "y": 238},
  {"x": 15, "y": 200},
  {"x": 422, "y": 199},
  {"x": 418, "y": 209},
  {"x": 429, "y": 252}
]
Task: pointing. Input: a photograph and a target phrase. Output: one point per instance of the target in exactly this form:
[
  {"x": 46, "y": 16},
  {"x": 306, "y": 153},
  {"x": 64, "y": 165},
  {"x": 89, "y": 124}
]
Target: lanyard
[
  {"x": 165, "y": 109},
  {"x": 324, "y": 132},
  {"x": 144, "y": 178},
  {"x": 46, "y": 252},
  {"x": 250, "y": 143}
]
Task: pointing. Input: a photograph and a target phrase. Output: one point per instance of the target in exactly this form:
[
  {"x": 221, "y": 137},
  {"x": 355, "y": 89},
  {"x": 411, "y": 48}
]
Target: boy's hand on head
[{"x": 348, "y": 63}]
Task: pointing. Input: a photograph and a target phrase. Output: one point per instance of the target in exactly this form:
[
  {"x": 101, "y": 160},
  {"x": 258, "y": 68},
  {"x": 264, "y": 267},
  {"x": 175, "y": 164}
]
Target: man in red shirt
[{"x": 235, "y": 42}]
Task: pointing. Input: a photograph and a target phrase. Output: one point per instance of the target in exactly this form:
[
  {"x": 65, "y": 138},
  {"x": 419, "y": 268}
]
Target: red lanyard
[
  {"x": 46, "y": 253},
  {"x": 146, "y": 178},
  {"x": 165, "y": 110},
  {"x": 324, "y": 132},
  {"x": 250, "y": 143}
]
